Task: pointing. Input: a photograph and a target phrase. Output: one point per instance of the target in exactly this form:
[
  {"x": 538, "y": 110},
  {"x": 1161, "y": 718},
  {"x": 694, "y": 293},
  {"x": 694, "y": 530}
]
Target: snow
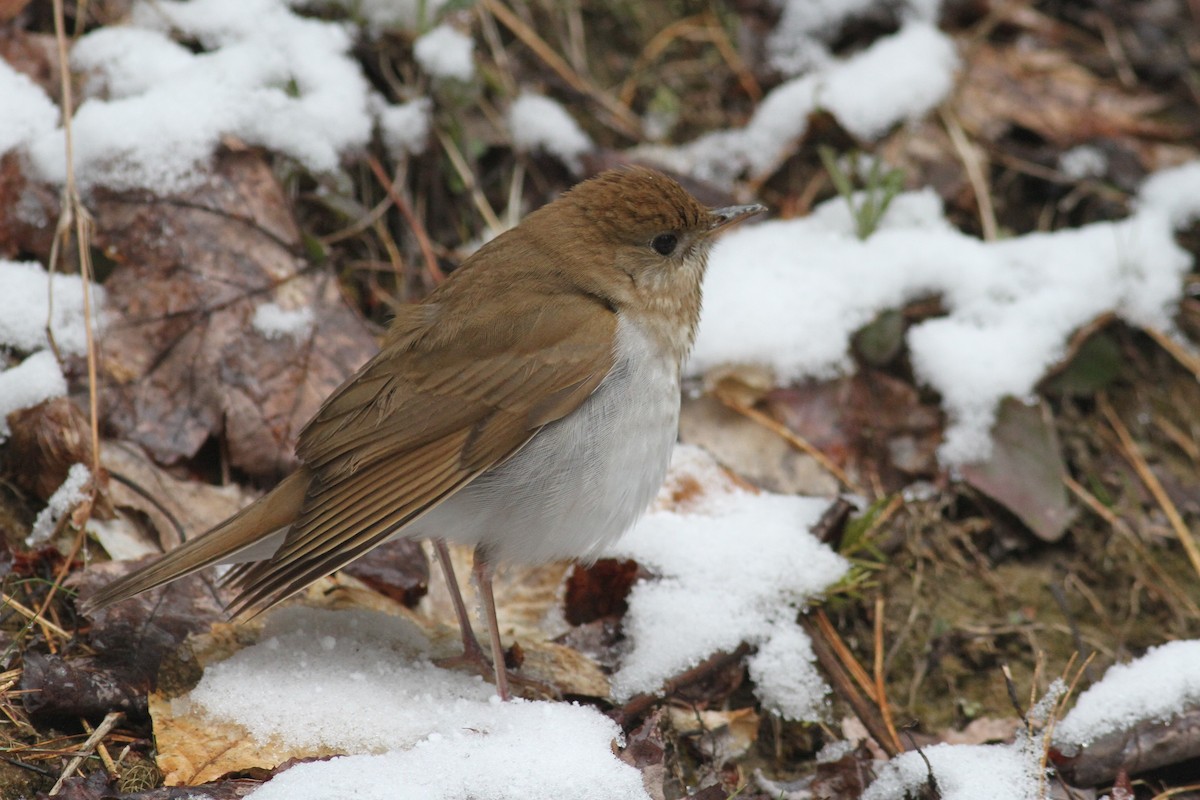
[
  {"x": 710, "y": 595},
  {"x": 799, "y": 40},
  {"x": 1155, "y": 687},
  {"x": 405, "y": 127},
  {"x": 963, "y": 772},
  {"x": 899, "y": 77},
  {"x": 64, "y": 500},
  {"x": 446, "y": 53},
  {"x": 275, "y": 322},
  {"x": 28, "y": 114},
  {"x": 1174, "y": 192},
  {"x": 1083, "y": 161},
  {"x": 25, "y": 311},
  {"x": 380, "y": 15},
  {"x": 901, "y": 86},
  {"x": 539, "y": 123},
  {"x": 25, "y": 308},
  {"x": 789, "y": 295},
  {"x": 426, "y": 733},
  {"x": 35, "y": 379},
  {"x": 154, "y": 112},
  {"x": 1013, "y": 771}
]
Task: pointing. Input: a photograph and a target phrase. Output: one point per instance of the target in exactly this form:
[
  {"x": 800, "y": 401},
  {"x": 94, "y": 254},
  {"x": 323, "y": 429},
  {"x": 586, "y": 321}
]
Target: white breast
[{"x": 583, "y": 480}]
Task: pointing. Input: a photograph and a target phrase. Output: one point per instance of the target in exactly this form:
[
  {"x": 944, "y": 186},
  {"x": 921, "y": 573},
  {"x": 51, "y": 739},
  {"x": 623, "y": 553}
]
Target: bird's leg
[
  {"x": 483, "y": 577},
  {"x": 472, "y": 652}
]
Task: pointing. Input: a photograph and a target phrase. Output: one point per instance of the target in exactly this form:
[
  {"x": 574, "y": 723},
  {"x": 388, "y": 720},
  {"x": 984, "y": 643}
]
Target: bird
[{"x": 527, "y": 407}]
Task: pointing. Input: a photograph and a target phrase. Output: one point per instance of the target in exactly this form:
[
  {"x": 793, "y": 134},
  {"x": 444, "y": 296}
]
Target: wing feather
[{"x": 450, "y": 396}]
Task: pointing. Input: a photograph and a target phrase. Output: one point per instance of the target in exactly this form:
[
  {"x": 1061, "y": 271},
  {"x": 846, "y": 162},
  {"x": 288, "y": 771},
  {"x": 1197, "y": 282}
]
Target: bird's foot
[{"x": 477, "y": 663}]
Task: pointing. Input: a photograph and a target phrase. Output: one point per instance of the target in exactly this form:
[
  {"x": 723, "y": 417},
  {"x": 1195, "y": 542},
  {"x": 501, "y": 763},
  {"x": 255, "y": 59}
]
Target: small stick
[
  {"x": 102, "y": 730},
  {"x": 794, "y": 439},
  {"x": 468, "y": 177},
  {"x": 31, "y": 615},
  {"x": 622, "y": 118},
  {"x": 845, "y": 687},
  {"x": 637, "y": 705},
  {"x": 881, "y": 700},
  {"x": 1120, "y": 526},
  {"x": 1138, "y": 462},
  {"x": 1186, "y": 358},
  {"x": 389, "y": 186}
]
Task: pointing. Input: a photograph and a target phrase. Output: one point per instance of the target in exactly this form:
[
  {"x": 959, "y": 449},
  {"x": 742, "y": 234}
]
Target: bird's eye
[{"x": 664, "y": 244}]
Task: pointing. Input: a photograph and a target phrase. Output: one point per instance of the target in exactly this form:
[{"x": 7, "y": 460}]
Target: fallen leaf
[
  {"x": 1044, "y": 91},
  {"x": 183, "y": 360},
  {"x": 1025, "y": 472},
  {"x": 398, "y": 569}
]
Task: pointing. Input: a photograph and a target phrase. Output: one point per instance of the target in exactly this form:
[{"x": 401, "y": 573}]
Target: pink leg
[
  {"x": 483, "y": 576},
  {"x": 472, "y": 652}
]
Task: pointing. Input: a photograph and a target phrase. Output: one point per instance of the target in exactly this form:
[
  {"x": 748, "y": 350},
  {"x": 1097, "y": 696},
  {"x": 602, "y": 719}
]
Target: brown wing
[{"x": 448, "y": 397}]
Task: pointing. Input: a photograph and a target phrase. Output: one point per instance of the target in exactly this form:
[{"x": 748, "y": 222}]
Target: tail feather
[{"x": 249, "y": 527}]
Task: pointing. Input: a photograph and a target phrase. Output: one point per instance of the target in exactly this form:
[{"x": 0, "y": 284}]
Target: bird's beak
[{"x": 723, "y": 217}]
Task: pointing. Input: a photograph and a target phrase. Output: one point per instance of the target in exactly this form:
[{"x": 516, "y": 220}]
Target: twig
[
  {"x": 1121, "y": 527},
  {"x": 1186, "y": 358},
  {"x": 733, "y": 58},
  {"x": 653, "y": 49},
  {"x": 622, "y": 119},
  {"x": 885, "y": 709},
  {"x": 468, "y": 178},
  {"x": 1138, "y": 462},
  {"x": 638, "y": 704},
  {"x": 835, "y": 670},
  {"x": 839, "y": 648},
  {"x": 31, "y": 615},
  {"x": 792, "y": 438},
  {"x": 389, "y": 186},
  {"x": 85, "y": 750}
]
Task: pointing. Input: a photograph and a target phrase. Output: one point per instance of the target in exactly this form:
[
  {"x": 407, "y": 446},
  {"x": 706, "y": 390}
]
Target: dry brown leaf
[
  {"x": 183, "y": 360},
  {"x": 1044, "y": 91},
  {"x": 746, "y": 447},
  {"x": 142, "y": 487},
  {"x": 720, "y": 735}
]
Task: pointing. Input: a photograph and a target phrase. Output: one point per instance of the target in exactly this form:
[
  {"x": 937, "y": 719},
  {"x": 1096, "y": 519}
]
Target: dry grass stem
[
  {"x": 792, "y": 438},
  {"x": 414, "y": 223},
  {"x": 619, "y": 117},
  {"x": 459, "y": 162},
  {"x": 87, "y": 748},
  {"x": 972, "y": 161},
  {"x": 885, "y": 708},
  {"x": 1135, "y": 458},
  {"x": 9, "y": 601}
]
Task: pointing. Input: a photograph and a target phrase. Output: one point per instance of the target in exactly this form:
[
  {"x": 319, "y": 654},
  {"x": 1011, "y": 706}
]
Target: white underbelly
[{"x": 583, "y": 480}]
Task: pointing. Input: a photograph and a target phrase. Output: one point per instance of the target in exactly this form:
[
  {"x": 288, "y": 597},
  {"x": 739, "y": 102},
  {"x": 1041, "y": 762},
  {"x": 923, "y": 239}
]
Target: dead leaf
[
  {"x": 142, "y": 629},
  {"x": 140, "y": 489},
  {"x": 646, "y": 750},
  {"x": 719, "y": 735},
  {"x": 54, "y": 686},
  {"x": 45, "y": 442},
  {"x": 1044, "y": 91},
  {"x": 183, "y": 360},
  {"x": 750, "y": 450},
  {"x": 599, "y": 590},
  {"x": 1025, "y": 472},
  {"x": 398, "y": 569}
]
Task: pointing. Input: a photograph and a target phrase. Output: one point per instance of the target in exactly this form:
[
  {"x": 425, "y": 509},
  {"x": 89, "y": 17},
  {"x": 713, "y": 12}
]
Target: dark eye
[{"x": 664, "y": 243}]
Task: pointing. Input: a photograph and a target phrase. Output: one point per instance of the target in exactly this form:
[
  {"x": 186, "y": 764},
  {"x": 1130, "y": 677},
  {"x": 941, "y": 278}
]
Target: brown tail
[{"x": 253, "y": 524}]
